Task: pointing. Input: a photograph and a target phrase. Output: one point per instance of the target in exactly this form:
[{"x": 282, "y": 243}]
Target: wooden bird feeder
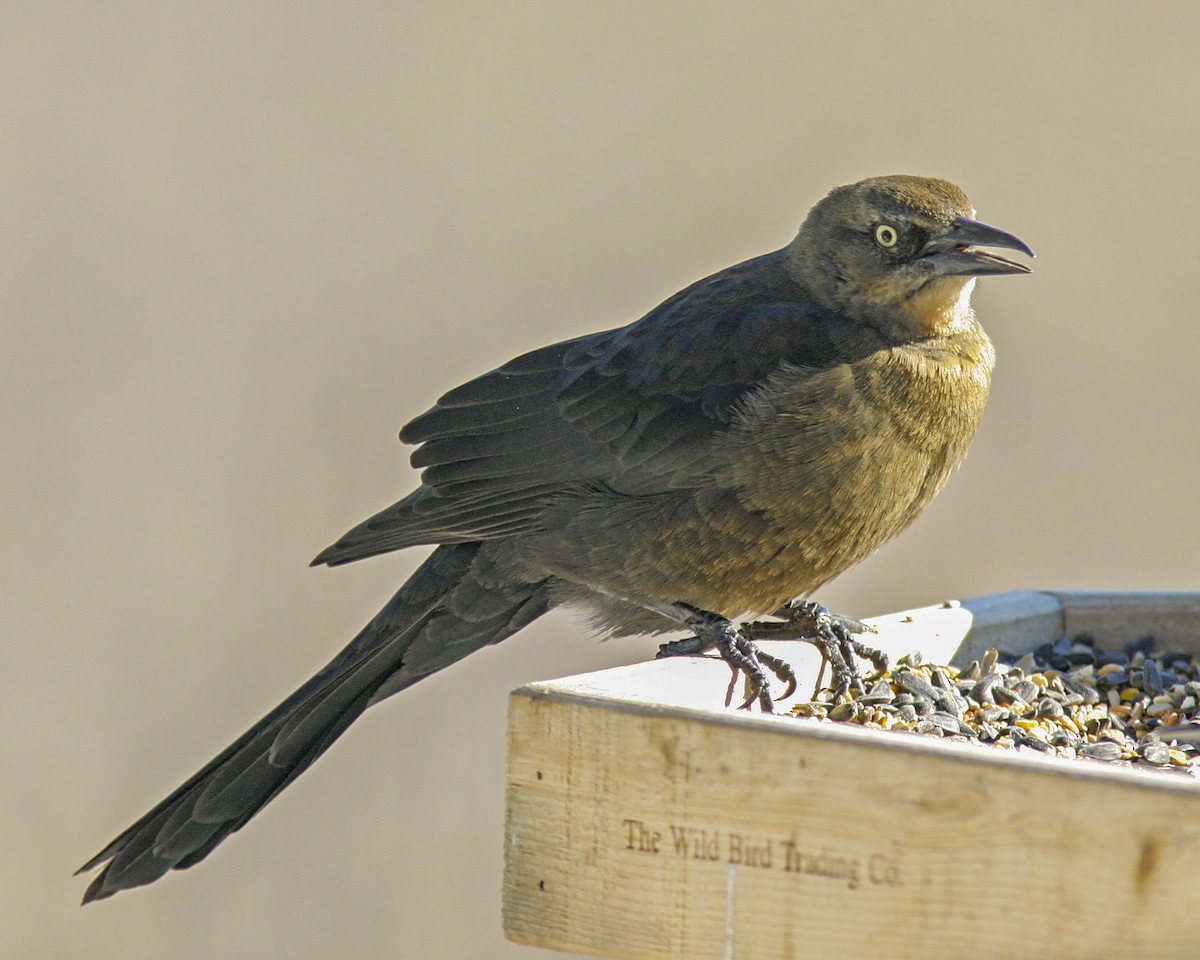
[{"x": 645, "y": 820}]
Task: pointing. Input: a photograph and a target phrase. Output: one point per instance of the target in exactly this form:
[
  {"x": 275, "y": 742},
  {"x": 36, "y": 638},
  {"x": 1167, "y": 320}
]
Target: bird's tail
[{"x": 453, "y": 605}]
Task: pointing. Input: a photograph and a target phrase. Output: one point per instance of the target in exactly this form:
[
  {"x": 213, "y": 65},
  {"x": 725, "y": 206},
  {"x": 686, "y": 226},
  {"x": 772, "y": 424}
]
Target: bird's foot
[
  {"x": 831, "y": 633},
  {"x": 738, "y": 651}
]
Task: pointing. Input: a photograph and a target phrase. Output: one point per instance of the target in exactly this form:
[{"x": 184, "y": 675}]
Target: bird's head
[{"x": 900, "y": 251}]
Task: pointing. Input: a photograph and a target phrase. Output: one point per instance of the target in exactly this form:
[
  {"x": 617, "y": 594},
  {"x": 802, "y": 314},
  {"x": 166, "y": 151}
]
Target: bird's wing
[{"x": 634, "y": 409}]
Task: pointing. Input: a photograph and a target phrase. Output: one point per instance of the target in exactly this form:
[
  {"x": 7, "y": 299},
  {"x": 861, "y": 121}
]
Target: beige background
[{"x": 243, "y": 243}]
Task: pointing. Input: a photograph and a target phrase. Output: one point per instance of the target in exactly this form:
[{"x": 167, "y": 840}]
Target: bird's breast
[
  {"x": 840, "y": 460},
  {"x": 820, "y": 468}
]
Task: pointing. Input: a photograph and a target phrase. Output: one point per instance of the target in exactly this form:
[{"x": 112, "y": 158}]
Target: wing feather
[{"x": 635, "y": 409}]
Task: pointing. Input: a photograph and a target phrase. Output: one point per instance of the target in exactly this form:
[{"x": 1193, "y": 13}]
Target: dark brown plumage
[{"x": 737, "y": 447}]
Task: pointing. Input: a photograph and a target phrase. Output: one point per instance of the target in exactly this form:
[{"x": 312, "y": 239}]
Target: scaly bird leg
[
  {"x": 831, "y": 633},
  {"x": 738, "y": 651},
  {"x": 782, "y": 670}
]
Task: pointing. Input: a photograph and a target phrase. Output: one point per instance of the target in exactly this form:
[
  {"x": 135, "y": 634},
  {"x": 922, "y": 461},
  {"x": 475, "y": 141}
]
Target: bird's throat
[{"x": 941, "y": 306}]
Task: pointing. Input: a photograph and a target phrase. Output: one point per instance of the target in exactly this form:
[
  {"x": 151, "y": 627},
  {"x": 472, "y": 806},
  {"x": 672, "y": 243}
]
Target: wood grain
[{"x": 664, "y": 828}]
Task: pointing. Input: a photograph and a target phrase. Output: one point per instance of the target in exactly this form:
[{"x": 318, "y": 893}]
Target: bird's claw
[
  {"x": 740, "y": 653},
  {"x": 806, "y": 620},
  {"x": 832, "y": 634},
  {"x": 782, "y": 670}
]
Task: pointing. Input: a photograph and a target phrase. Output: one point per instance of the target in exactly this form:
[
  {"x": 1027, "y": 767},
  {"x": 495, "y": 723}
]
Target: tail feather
[{"x": 443, "y": 613}]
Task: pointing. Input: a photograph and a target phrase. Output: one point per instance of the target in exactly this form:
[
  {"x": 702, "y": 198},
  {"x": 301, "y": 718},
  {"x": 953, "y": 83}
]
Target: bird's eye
[{"x": 886, "y": 236}]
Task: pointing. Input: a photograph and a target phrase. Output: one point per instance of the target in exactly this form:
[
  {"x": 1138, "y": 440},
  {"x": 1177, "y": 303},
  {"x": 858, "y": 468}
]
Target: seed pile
[{"x": 1067, "y": 699}]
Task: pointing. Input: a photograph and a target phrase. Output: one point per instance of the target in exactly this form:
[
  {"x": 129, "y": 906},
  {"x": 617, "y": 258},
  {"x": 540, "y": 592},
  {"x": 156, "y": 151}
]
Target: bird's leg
[
  {"x": 832, "y": 634},
  {"x": 697, "y": 647},
  {"x": 737, "y": 650},
  {"x": 781, "y": 668}
]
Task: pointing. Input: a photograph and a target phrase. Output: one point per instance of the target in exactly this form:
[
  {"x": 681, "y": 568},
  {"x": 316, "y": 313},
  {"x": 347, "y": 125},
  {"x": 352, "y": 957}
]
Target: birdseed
[{"x": 1132, "y": 707}]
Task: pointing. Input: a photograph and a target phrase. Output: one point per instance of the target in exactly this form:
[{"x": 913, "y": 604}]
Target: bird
[{"x": 722, "y": 457}]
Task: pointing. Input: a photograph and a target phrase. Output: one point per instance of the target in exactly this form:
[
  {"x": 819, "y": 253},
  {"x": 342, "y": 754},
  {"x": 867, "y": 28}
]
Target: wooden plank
[
  {"x": 646, "y": 822},
  {"x": 1116, "y": 618},
  {"x": 644, "y": 832},
  {"x": 1010, "y": 622},
  {"x": 954, "y": 632}
]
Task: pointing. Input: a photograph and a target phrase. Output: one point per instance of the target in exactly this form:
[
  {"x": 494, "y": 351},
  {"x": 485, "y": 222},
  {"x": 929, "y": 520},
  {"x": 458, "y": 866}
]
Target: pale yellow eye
[{"x": 886, "y": 235}]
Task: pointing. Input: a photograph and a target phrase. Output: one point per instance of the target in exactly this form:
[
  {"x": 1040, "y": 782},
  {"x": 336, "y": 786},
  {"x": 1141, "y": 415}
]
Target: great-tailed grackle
[{"x": 736, "y": 448}]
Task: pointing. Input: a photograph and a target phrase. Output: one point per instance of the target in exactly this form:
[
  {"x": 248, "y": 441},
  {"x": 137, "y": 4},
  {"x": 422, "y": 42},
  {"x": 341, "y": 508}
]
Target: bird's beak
[{"x": 954, "y": 253}]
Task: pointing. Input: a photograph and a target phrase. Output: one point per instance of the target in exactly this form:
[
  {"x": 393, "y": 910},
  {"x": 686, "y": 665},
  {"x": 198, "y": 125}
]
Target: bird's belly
[{"x": 706, "y": 548}]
